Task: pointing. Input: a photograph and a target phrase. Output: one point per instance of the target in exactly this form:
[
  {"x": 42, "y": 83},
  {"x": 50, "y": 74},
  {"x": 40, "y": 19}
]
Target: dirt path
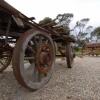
[{"x": 82, "y": 82}]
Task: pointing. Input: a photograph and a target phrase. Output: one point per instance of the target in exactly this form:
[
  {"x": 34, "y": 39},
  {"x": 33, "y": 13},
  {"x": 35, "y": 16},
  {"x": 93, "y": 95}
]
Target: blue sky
[{"x": 44, "y": 8}]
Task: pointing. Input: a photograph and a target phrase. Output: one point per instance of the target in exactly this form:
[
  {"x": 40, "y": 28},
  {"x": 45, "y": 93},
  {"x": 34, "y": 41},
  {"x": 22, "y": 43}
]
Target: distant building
[{"x": 92, "y": 49}]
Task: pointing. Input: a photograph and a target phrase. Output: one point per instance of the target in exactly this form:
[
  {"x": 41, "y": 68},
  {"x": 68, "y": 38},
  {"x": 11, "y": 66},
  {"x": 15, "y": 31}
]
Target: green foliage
[
  {"x": 82, "y": 23},
  {"x": 46, "y": 20},
  {"x": 59, "y": 24},
  {"x": 89, "y": 28},
  {"x": 77, "y": 49},
  {"x": 96, "y": 31},
  {"x": 64, "y": 19},
  {"x": 84, "y": 20}
]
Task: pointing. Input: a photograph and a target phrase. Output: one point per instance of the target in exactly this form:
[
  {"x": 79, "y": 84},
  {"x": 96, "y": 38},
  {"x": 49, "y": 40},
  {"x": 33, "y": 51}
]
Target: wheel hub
[{"x": 44, "y": 58}]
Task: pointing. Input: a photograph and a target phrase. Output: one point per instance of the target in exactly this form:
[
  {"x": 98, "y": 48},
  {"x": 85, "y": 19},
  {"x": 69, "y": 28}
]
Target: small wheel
[
  {"x": 33, "y": 59},
  {"x": 69, "y": 55},
  {"x": 5, "y": 59}
]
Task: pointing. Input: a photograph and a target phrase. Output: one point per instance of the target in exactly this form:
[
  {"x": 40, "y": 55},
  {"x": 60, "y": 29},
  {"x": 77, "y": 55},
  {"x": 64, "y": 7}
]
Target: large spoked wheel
[
  {"x": 33, "y": 59},
  {"x": 5, "y": 59},
  {"x": 69, "y": 55}
]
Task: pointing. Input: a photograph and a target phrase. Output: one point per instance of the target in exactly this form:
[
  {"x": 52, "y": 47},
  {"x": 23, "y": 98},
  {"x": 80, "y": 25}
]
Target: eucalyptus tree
[
  {"x": 80, "y": 27},
  {"x": 61, "y": 20},
  {"x": 81, "y": 31},
  {"x": 89, "y": 30},
  {"x": 64, "y": 19},
  {"x": 96, "y": 32}
]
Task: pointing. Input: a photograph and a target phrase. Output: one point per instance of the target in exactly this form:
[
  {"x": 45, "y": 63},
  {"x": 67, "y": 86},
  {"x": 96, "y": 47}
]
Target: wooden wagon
[{"x": 30, "y": 46}]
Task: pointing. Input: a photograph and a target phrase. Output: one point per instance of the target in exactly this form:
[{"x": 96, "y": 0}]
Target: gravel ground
[{"x": 82, "y": 82}]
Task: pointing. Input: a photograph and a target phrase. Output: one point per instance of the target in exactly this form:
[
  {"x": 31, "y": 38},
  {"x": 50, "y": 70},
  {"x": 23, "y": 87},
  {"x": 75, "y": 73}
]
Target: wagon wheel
[
  {"x": 5, "y": 59},
  {"x": 69, "y": 55},
  {"x": 33, "y": 59}
]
